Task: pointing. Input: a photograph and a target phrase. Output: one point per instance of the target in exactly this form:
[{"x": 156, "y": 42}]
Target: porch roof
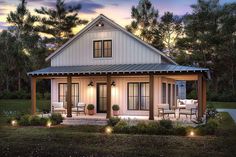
[{"x": 117, "y": 69}]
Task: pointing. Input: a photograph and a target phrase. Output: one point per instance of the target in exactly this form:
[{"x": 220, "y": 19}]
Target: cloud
[
  {"x": 3, "y": 25},
  {"x": 2, "y": 2},
  {"x": 88, "y": 6}
]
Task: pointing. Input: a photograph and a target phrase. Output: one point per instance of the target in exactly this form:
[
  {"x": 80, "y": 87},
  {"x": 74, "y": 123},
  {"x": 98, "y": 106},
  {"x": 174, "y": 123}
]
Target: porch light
[
  {"x": 13, "y": 122},
  {"x": 49, "y": 124},
  {"x": 90, "y": 83},
  {"x": 100, "y": 24},
  {"x": 113, "y": 83},
  {"x": 108, "y": 130}
]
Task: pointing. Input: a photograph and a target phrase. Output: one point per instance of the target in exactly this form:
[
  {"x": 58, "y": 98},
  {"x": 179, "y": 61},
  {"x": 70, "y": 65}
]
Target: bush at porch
[{"x": 34, "y": 120}]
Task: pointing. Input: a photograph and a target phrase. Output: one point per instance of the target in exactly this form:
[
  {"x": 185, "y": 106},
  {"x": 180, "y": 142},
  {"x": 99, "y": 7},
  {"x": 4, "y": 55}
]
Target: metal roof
[{"x": 116, "y": 69}]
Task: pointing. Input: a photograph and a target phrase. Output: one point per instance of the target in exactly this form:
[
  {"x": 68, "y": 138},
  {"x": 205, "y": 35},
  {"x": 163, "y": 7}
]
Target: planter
[
  {"x": 91, "y": 112},
  {"x": 115, "y": 113}
]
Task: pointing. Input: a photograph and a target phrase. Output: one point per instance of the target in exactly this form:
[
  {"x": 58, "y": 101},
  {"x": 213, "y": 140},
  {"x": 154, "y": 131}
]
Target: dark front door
[{"x": 101, "y": 97}]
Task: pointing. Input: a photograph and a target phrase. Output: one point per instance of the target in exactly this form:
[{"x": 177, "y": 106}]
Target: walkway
[{"x": 232, "y": 112}]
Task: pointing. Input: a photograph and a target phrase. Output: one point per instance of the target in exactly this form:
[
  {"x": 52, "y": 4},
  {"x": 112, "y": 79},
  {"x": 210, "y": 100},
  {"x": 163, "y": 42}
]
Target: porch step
[{"x": 82, "y": 121}]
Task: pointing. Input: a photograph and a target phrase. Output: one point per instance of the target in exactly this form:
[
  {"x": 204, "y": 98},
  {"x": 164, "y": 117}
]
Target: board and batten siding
[{"x": 125, "y": 50}]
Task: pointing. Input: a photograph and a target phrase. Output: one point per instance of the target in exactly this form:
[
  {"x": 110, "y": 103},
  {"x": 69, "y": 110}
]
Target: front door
[{"x": 101, "y": 97}]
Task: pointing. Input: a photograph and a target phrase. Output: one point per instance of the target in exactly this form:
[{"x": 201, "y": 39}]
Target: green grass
[
  {"x": 230, "y": 105},
  {"x": 21, "y": 106}
]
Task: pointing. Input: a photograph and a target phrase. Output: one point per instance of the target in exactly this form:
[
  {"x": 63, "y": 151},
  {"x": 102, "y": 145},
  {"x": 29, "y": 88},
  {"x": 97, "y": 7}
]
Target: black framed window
[
  {"x": 62, "y": 91},
  {"x": 97, "y": 49},
  {"x": 107, "y": 48},
  {"x": 138, "y": 96},
  {"x": 102, "y": 48},
  {"x": 163, "y": 93}
]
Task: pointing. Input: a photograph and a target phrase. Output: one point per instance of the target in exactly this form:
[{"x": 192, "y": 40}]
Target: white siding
[
  {"x": 119, "y": 92},
  {"x": 125, "y": 50}
]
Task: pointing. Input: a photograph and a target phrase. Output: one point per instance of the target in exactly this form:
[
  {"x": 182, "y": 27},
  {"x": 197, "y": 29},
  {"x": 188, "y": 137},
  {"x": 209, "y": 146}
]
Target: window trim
[
  {"x": 139, "y": 96},
  {"x": 94, "y": 41}
]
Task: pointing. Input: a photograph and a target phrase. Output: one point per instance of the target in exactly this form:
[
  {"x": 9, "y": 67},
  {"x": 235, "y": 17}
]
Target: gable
[{"x": 126, "y": 49}]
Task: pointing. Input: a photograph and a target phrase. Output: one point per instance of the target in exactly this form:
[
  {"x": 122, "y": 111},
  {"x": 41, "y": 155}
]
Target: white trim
[{"x": 115, "y": 25}]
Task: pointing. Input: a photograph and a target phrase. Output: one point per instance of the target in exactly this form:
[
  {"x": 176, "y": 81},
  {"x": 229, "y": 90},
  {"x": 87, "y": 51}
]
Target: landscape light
[
  {"x": 13, "y": 122},
  {"x": 108, "y": 130},
  {"x": 192, "y": 133},
  {"x": 49, "y": 123}
]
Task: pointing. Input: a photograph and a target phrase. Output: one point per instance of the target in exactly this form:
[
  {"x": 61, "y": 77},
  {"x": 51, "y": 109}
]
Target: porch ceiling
[{"x": 119, "y": 69}]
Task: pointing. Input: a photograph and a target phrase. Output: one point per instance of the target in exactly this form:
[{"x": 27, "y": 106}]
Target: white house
[{"x": 104, "y": 65}]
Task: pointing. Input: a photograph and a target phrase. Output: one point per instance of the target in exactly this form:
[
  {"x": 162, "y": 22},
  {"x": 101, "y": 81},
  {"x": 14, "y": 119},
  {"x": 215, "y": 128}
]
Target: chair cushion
[
  {"x": 59, "y": 109},
  {"x": 57, "y": 104},
  {"x": 185, "y": 111},
  {"x": 169, "y": 111},
  {"x": 164, "y": 106}
]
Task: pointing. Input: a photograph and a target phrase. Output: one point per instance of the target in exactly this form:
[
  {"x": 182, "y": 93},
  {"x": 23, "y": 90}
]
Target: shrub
[
  {"x": 43, "y": 121},
  {"x": 34, "y": 121},
  {"x": 141, "y": 128},
  {"x": 182, "y": 131},
  {"x": 167, "y": 124},
  {"x": 56, "y": 118},
  {"x": 24, "y": 120},
  {"x": 121, "y": 127},
  {"x": 90, "y": 107},
  {"x": 211, "y": 112},
  {"x": 115, "y": 107},
  {"x": 209, "y": 128},
  {"x": 113, "y": 121}
]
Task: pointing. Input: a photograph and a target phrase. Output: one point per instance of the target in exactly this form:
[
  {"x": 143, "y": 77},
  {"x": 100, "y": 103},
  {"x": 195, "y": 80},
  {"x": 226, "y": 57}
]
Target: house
[{"x": 104, "y": 65}]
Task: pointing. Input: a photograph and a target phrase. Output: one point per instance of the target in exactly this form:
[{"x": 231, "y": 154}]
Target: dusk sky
[{"x": 118, "y": 10}]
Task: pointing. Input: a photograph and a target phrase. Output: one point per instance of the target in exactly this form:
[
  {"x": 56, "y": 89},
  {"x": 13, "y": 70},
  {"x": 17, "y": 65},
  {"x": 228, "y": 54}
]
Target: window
[
  {"x": 138, "y": 96},
  {"x": 102, "y": 48},
  {"x": 97, "y": 49},
  {"x": 62, "y": 91},
  {"x": 107, "y": 48},
  {"x": 163, "y": 93}
]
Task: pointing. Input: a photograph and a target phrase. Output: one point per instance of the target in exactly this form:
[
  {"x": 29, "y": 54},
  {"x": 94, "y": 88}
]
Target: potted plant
[
  {"x": 90, "y": 108},
  {"x": 115, "y": 109}
]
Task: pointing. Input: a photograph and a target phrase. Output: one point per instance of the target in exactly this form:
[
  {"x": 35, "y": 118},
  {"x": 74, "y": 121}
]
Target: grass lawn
[
  {"x": 231, "y": 105},
  {"x": 63, "y": 141}
]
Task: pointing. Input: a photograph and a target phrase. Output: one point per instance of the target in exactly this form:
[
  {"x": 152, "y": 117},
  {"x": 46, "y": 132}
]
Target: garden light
[
  {"x": 13, "y": 122},
  {"x": 108, "y": 130},
  {"x": 49, "y": 123},
  {"x": 191, "y": 133}
]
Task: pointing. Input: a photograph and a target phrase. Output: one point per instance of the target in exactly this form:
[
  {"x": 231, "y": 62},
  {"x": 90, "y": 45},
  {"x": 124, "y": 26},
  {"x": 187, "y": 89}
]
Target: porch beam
[
  {"x": 68, "y": 98},
  {"x": 151, "y": 97},
  {"x": 200, "y": 96},
  {"x": 108, "y": 96},
  {"x": 33, "y": 95}
]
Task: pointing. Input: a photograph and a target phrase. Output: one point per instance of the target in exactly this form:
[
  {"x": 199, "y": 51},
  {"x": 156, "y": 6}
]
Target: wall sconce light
[
  {"x": 113, "y": 83},
  {"x": 90, "y": 83},
  {"x": 100, "y": 24}
]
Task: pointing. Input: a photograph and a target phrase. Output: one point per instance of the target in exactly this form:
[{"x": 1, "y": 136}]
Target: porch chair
[
  {"x": 58, "y": 107},
  {"x": 164, "y": 109},
  {"x": 191, "y": 109},
  {"x": 80, "y": 107}
]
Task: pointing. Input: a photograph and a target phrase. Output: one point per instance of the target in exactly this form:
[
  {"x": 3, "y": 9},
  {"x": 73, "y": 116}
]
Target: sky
[{"x": 117, "y": 10}]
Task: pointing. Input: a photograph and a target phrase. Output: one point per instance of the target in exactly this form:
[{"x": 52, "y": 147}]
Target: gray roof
[{"x": 117, "y": 69}]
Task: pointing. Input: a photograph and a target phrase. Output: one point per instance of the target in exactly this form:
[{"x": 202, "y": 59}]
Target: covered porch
[{"x": 154, "y": 74}]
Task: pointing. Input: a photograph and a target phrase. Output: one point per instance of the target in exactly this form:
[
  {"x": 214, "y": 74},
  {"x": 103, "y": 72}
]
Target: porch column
[
  {"x": 151, "y": 97},
  {"x": 200, "y": 96},
  {"x": 108, "y": 96},
  {"x": 68, "y": 98},
  {"x": 204, "y": 94},
  {"x": 33, "y": 95}
]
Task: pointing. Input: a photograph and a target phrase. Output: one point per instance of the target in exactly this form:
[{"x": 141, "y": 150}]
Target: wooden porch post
[
  {"x": 151, "y": 97},
  {"x": 68, "y": 98},
  {"x": 33, "y": 95},
  {"x": 204, "y": 94},
  {"x": 200, "y": 96},
  {"x": 108, "y": 96}
]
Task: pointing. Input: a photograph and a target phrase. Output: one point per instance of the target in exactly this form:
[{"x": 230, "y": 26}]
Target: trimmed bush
[
  {"x": 209, "y": 128},
  {"x": 24, "y": 120},
  {"x": 90, "y": 107},
  {"x": 56, "y": 118},
  {"x": 182, "y": 131},
  {"x": 34, "y": 121},
  {"x": 115, "y": 107},
  {"x": 113, "y": 121},
  {"x": 121, "y": 127},
  {"x": 167, "y": 124}
]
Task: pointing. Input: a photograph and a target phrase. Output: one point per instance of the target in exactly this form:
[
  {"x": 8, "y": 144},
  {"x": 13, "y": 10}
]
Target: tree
[
  {"x": 144, "y": 18},
  {"x": 22, "y": 27},
  {"x": 170, "y": 29},
  {"x": 57, "y": 23}
]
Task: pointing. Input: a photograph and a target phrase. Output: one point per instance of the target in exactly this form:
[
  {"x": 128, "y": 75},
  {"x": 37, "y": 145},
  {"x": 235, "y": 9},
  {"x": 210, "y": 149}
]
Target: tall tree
[
  {"x": 170, "y": 29},
  {"x": 144, "y": 17},
  {"x": 57, "y": 23},
  {"x": 22, "y": 27}
]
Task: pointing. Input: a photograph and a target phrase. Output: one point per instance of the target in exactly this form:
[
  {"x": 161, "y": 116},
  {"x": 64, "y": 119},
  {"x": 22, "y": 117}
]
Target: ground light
[
  {"x": 13, "y": 122},
  {"x": 108, "y": 130},
  {"x": 49, "y": 123},
  {"x": 192, "y": 133}
]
